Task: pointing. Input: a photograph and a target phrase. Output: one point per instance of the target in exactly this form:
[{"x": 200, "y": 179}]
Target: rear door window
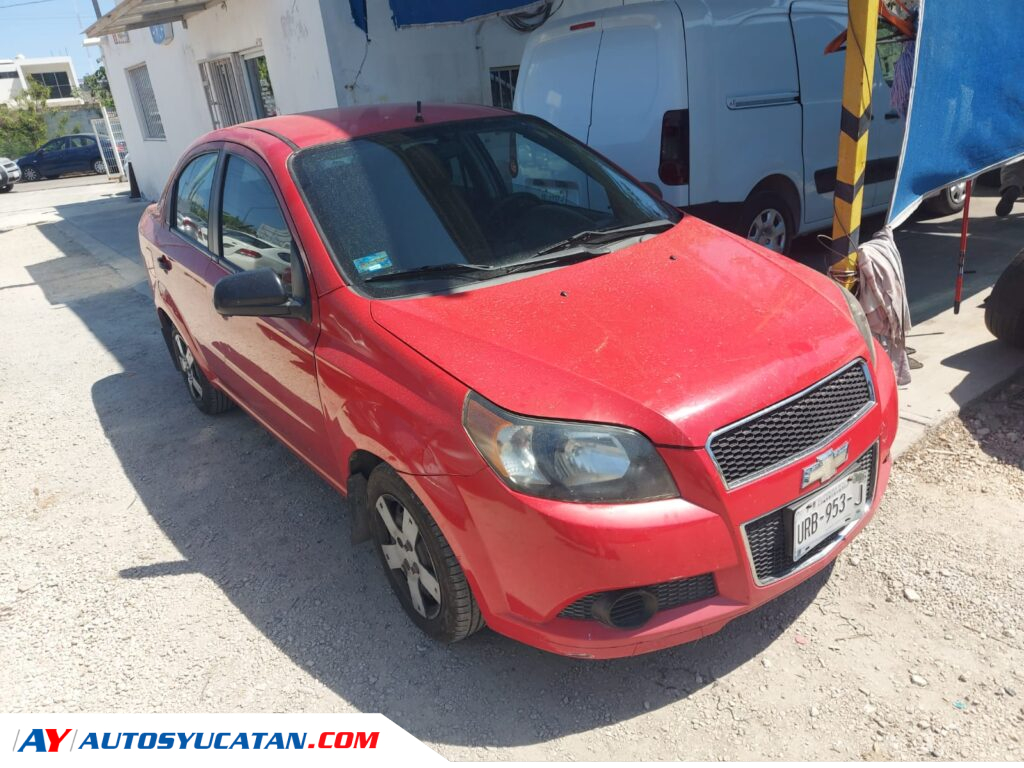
[{"x": 192, "y": 199}]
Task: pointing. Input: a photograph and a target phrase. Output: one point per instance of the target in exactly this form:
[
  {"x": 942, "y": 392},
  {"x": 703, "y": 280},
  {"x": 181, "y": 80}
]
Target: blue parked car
[{"x": 66, "y": 154}]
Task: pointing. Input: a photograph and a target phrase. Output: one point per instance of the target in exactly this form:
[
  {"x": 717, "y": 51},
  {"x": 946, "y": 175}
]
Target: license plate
[{"x": 830, "y": 510}]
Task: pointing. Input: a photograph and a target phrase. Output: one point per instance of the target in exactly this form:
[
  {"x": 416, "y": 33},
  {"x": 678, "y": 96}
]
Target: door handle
[
  {"x": 164, "y": 263},
  {"x": 892, "y": 115}
]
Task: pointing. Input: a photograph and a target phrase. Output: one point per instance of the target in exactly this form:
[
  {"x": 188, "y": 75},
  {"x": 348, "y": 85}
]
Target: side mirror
[
  {"x": 653, "y": 188},
  {"x": 255, "y": 293}
]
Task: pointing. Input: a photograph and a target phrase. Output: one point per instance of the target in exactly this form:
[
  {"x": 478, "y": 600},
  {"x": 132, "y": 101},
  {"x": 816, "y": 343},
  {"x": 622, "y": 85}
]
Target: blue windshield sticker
[{"x": 375, "y": 262}]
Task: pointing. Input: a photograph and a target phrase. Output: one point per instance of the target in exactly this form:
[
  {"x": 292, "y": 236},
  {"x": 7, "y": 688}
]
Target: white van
[{"x": 730, "y": 107}]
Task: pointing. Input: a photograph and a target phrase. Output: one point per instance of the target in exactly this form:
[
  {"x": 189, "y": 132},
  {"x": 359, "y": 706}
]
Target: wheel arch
[
  {"x": 360, "y": 464},
  {"x": 787, "y": 188}
]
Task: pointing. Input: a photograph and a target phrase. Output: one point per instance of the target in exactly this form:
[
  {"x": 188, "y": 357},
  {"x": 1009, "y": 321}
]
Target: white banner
[{"x": 198, "y": 740}]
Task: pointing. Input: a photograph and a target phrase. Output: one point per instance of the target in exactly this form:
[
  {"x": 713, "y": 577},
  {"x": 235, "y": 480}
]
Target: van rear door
[
  {"x": 815, "y": 23},
  {"x": 641, "y": 78},
  {"x": 556, "y": 77}
]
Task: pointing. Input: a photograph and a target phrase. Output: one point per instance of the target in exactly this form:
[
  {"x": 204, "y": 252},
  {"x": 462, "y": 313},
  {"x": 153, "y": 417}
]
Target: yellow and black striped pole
[{"x": 861, "y": 36}]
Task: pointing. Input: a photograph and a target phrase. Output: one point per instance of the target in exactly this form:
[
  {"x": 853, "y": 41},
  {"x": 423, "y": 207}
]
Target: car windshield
[{"x": 428, "y": 207}]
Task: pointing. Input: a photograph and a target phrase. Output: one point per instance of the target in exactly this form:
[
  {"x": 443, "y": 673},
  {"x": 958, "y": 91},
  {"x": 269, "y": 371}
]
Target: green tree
[
  {"x": 22, "y": 125},
  {"x": 99, "y": 87}
]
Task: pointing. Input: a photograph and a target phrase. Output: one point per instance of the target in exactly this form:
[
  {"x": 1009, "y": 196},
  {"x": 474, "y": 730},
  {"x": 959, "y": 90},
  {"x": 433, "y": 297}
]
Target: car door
[
  {"x": 182, "y": 253},
  {"x": 52, "y": 157},
  {"x": 266, "y": 363},
  {"x": 84, "y": 152}
]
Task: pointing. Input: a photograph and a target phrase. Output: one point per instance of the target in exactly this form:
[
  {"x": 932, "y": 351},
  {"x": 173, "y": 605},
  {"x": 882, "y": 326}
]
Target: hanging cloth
[{"x": 883, "y": 296}]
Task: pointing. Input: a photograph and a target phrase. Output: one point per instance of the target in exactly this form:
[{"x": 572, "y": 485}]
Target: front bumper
[
  {"x": 13, "y": 174},
  {"x": 529, "y": 559}
]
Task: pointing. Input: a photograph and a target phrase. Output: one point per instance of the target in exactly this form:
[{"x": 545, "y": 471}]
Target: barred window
[
  {"x": 145, "y": 102},
  {"x": 503, "y": 86}
]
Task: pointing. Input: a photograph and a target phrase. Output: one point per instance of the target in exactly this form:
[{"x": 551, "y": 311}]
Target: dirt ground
[{"x": 158, "y": 560}]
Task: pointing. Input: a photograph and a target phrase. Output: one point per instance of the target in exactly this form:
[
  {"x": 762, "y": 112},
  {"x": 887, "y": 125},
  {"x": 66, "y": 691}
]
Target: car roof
[{"x": 307, "y": 129}]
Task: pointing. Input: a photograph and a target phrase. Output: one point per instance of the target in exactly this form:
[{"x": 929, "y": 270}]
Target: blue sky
[{"x": 49, "y": 28}]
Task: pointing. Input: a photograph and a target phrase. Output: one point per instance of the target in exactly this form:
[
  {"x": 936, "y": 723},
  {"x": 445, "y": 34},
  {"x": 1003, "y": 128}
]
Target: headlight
[
  {"x": 568, "y": 461},
  {"x": 860, "y": 319}
]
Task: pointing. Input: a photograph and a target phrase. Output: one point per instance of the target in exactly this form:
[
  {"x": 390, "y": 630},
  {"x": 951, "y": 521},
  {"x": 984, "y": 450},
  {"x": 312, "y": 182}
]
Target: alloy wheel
[
  {"x": 29, "y": 174},
  {"x": 187, "y": 363},
  {"x": 957, "y": 193},
  {"x": 99, "y": 167},
  {"x": 406, "y": 554},
  {"x": 769, "y": 229}
]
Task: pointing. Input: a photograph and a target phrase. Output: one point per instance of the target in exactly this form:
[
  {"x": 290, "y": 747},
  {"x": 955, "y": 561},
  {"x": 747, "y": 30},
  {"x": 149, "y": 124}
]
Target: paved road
[{"x": 159, "y": 560}]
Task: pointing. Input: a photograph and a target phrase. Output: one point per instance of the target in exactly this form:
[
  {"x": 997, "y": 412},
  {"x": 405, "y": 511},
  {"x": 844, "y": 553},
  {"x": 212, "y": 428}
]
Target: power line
[{"x": 27, "y": 2}]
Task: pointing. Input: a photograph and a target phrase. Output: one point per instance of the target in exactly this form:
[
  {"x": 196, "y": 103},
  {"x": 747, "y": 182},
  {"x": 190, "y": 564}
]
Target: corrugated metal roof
[{"x": 138, "y": 14}]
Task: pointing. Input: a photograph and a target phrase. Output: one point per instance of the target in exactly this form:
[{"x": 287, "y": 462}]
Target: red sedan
[{"x": 556, "y": 405}]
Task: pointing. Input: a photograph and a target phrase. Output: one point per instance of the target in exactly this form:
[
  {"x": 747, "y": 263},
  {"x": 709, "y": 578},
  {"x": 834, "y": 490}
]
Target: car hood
[{"x": 675, "y": 336}]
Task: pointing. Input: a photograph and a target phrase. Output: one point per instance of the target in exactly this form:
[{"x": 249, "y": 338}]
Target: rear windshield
[{"x": 485, "y": 192}]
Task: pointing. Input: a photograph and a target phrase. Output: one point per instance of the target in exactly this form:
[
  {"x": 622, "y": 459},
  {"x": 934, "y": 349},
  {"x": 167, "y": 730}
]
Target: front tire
[
  {"x": 29, "y": 174},
  {"x": 1004, "y": 310},
  {"x": 768, "y": 220},
  {"x": 420, "y": 565},
  {"x": 206, "y": 397}
]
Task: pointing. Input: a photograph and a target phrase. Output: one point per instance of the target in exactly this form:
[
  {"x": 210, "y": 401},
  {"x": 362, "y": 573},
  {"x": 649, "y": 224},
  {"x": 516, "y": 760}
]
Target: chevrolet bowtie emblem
[{"x": 826, "y": 465}]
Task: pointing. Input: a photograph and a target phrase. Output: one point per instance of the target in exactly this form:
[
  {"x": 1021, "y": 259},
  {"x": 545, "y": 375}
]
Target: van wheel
[
  {"x": 206, "y": 397},
  {"x": 421, "y": 567},
  {"x": 1004, "y": 310},
  {"x": 949, "y": 201},
  {"x": 768, "y": 220}
]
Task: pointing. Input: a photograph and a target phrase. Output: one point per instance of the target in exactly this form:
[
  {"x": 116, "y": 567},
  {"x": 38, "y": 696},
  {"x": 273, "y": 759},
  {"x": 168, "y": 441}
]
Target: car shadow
[{"x": 257, "y": 522}]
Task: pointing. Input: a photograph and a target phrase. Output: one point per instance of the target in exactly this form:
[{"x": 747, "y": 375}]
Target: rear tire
[
  {"x": 768, "y": 219},
  {"x": 6, "y": 188},
  {"x": 949, "y": 201},
  {"x": 420, "y": 565},
  {"x": 1004, "y": 310},
  {"x": 99, "y": 167},
  {"x": 206, "y": 397}
]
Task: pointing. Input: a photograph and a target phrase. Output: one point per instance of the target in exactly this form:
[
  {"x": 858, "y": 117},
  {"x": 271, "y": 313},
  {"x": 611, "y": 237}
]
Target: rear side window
[
  {"x": 82, "y": 142},
  {"x": 192, "y": 199},
  {"x": 253, "y": 231}
]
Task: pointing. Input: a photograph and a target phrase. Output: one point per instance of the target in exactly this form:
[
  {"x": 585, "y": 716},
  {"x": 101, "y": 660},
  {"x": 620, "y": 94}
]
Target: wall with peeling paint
[{"x": 289, "y": 32}]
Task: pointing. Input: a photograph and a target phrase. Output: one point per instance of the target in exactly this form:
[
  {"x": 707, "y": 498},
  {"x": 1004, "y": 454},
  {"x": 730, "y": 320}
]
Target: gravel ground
[{"x": 159, "y": 560}]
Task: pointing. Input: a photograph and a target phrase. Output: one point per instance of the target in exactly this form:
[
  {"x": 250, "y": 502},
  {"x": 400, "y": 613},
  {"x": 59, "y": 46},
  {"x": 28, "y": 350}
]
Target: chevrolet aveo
[{"x": 557, "y": 406}]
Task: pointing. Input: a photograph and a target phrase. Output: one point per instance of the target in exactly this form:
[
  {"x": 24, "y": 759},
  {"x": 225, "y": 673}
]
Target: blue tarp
[
  {"x": 967, "y": 104},
  {"x": 408, "y": 13}
]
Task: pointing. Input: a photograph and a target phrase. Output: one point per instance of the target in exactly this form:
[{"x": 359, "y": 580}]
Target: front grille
[
  {"x": 794, "y": 427},
  {"x": 766, "y": 536},
  {"x": 670, "y": 594}
]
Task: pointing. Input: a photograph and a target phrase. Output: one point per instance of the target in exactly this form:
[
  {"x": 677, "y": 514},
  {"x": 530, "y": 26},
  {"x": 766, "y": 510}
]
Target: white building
[
  {"x": 55, "y": 72},
  {"x": 179, "y": 68}
]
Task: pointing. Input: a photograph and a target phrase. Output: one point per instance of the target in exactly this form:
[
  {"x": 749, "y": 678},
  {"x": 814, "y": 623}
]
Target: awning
[
  {"x": 967, "y": 102},
  {"x": 409, "y": 13},
  {"x": 139, "y": 14}
]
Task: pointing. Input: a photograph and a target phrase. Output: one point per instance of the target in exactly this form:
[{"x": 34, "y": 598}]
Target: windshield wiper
[
  {"x": 453, "y": 269},
  {"x": 604, "y": 236}
]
